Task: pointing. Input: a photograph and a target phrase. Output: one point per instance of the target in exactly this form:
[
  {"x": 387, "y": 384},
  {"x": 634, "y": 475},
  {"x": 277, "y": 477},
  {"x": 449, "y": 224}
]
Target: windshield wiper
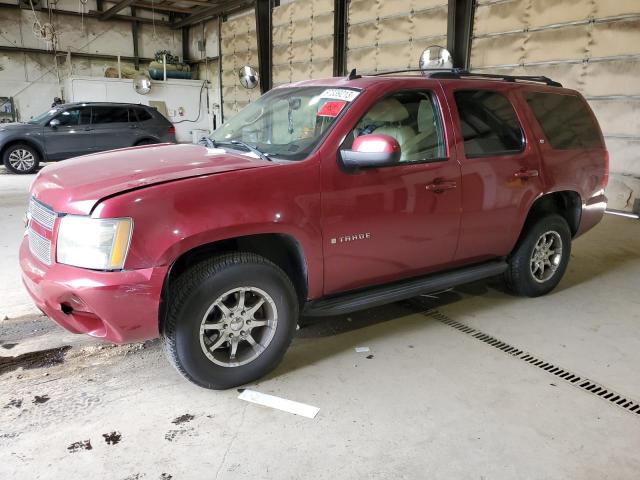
[
  {"x": 251, "y": 148},
  {"x": 207, "y": 142}
]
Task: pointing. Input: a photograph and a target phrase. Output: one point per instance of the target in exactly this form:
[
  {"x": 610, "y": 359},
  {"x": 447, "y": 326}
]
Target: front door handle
[
  {"x": 88, "y": 129},
  {"x": 439, "y": 186},
  {"x": 526, "y": 174}
]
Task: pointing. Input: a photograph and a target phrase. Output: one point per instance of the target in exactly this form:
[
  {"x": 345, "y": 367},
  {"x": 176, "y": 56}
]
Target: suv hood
[
  {"x": 77, "y": 185},
  {"x": 13, "y": 126}
]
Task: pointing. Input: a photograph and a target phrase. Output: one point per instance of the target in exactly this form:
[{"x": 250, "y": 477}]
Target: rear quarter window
[
  {"x": 143, "y": 115},
  {"x": 565, "y": 120}
]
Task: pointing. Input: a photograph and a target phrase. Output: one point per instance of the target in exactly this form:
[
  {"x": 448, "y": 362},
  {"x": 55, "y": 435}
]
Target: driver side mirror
[
  {"x": 55, "y": 123},
  {"x": 371, "y": 151}
]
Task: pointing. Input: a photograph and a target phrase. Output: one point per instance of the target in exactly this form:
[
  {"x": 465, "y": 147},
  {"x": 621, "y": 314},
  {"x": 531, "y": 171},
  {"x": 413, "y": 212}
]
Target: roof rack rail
[
  {"x": 353, "y": 75},
  {"x": 508, "y": 78},
  {"x": 460, "y": 73},
  {"x": 406, "y": 70}
]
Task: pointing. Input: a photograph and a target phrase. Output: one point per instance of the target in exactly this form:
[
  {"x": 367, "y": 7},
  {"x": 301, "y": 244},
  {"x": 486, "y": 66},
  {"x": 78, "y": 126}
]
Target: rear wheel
[
  {"x": 230, "y": 320},
  {"x": 540, "y": 259},
  {"x": 21, "y": 158}
]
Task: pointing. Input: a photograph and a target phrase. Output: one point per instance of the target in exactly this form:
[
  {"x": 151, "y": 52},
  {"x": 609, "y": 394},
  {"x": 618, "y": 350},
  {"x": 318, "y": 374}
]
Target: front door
[
  {"x": 71, "y": 137},
  {"x": 384, "y": 224}
]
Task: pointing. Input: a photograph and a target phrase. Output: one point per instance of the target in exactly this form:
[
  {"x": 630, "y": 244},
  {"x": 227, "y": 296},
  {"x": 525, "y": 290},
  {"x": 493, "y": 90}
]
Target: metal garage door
[{"x": 590, "y": 45}]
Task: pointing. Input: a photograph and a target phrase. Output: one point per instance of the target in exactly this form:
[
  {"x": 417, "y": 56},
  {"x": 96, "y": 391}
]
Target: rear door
[
  {"x": 72, "y": 137},
  {"x": 569, "y": 139},
  {"x": 114, "y": 126},
  {"x": 500, "y": 168}
]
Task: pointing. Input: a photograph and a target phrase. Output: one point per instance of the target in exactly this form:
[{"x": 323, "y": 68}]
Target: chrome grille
[
  {"x": 41, "y": 214},
  {"x": 40, "y": 247}
]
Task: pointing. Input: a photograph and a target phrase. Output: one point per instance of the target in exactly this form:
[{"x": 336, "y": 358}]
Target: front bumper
[{"x": 117, "y": 306}]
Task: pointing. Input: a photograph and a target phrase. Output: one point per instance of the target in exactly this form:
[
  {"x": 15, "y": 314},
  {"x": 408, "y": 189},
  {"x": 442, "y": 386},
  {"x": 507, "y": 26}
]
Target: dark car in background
[{"x": 75, "y": 129}]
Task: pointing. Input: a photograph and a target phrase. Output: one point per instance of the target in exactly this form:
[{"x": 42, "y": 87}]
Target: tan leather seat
[
  {"x": 426, "y": 142},
  {"x": 390, "y": 112}
]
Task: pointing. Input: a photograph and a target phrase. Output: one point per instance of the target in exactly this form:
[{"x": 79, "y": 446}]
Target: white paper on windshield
[{"x": 340, "y": 94}]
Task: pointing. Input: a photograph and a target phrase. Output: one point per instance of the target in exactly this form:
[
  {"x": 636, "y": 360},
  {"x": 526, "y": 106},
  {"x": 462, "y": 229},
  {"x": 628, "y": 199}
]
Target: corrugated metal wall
[
  {"x": 302, "y": 41},
  {"x": 388, "y": 35},
  {"x": 239, "y": 48},
  {"x": 590, "y": 45}
]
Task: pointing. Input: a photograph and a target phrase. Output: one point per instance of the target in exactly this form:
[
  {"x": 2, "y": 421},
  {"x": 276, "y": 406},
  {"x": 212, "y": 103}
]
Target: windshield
[
  {"x": 287, "y": 122},
  {"x": 43, "y": 116}
]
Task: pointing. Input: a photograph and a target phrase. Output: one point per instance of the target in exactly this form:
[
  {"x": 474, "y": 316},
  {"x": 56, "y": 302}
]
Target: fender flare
[{"x": 27, "y": 141}]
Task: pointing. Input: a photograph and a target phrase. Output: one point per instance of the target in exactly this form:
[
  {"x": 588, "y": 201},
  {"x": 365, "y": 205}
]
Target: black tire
[
  {"x": 520, "y": 277},
  {"x": 17, "y": 166},
  {"x": 194, "y": 293},
  {"x": 146, "y": 141}
]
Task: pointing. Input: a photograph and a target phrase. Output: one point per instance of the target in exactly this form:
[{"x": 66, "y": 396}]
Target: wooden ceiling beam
[
  {"x": 121, "y": 5},
  {"x": 92, "y": 14},
  {"x": 162, "y": 7},
  {"x": 203, "y": 3},
  {"x": 206, "y": 13}
]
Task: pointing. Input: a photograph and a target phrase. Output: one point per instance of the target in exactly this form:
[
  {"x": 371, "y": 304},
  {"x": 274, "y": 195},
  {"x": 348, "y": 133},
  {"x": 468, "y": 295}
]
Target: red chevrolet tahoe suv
[{"x": 322, "y": 197}]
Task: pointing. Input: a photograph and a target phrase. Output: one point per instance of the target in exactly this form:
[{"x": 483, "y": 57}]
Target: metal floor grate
[{"x": 571, "y": 378}]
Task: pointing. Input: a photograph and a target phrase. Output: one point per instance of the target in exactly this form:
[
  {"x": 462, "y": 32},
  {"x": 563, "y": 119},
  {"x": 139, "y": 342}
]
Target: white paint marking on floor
[
  {"x": 362, "y": 349},
  {"x": 279, "y": 403}
]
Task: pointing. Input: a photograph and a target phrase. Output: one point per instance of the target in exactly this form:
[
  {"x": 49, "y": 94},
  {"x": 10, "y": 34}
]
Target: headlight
[{"x": 96, "y": 243}]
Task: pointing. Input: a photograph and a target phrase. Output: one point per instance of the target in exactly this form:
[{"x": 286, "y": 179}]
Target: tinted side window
[
  {"x": 75, "y": 116},
  {"x": 412, "y": 118},
  {"x": 143, "y": 115},
  {"x": 489, "y": 123},
  {"x": 85, "y": 115},
  {"x": 110, "y": 115},
  {"x": 565, "y": 120}
]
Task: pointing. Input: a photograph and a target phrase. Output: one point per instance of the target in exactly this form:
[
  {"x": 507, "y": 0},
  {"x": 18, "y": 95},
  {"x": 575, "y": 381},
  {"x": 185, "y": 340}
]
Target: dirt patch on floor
[{"x": 32, "y": 360}]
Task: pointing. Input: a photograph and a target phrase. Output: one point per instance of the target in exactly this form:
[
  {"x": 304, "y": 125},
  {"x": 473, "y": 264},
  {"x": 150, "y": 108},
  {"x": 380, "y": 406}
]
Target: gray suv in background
[{"x": 75, "y": 129}]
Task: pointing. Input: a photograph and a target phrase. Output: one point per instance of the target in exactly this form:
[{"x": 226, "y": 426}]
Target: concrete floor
[
  {"x": 13, "y": 204},
  {"x": 432, "y": 402}
]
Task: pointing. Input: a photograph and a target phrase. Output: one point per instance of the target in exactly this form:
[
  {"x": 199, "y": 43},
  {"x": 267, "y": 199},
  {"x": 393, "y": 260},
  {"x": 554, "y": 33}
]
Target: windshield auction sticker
[
  {"x": 331, "y": 109},
  {"x": 340, "y": 94}
]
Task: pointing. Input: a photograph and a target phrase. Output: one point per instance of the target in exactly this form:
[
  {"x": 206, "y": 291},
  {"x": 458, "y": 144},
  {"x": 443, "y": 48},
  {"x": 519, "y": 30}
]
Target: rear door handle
[
  {"x": 439, "y": 186},
  {"x": 525, "y": 174},
  {"x": 133, "y": 126},
  {"x": 88, "y": 129}
]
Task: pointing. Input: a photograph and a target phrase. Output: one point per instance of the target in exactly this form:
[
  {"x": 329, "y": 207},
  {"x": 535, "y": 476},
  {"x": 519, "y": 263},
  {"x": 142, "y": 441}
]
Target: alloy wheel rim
[
  {"x": 546, "y": 256},
  {"x": 238, "y": 326},
  {"x": 21, "y": 159}
]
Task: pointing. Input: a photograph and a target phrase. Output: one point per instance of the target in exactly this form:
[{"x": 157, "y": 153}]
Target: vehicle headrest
[{"x": 388, "y": 110}]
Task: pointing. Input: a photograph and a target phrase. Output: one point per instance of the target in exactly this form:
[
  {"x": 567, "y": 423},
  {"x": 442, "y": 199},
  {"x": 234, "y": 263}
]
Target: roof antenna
[{"x": 353, "y": 75}]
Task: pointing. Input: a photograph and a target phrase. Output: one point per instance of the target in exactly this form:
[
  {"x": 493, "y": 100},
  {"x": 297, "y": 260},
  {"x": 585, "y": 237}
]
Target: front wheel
[
  {"x": 540, "y": 259},
  {"x": 230, "y": 320},
  {"x": 21, "y": 158}
]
